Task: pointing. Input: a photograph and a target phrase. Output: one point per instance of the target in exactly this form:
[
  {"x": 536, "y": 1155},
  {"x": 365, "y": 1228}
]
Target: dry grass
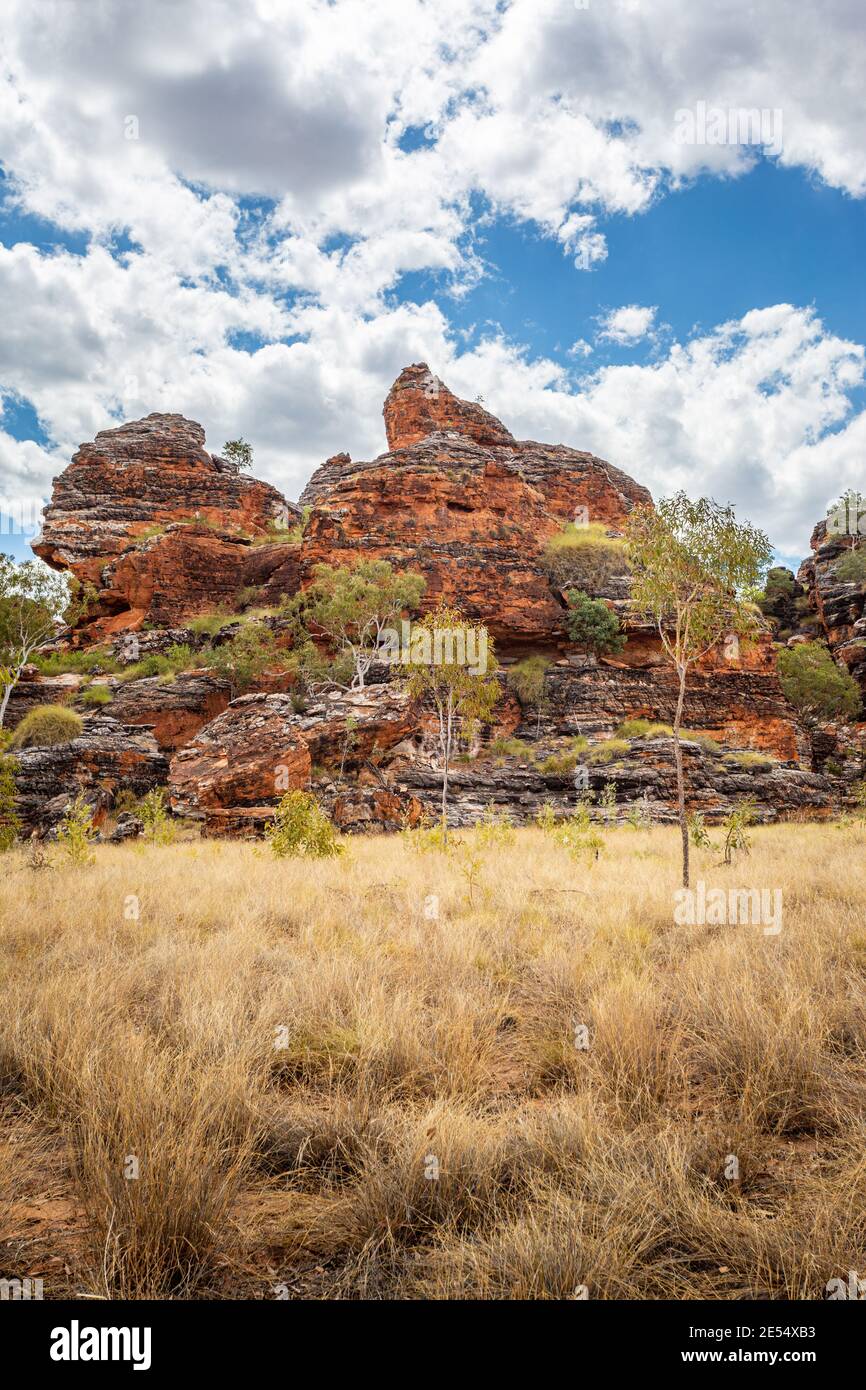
[{"x": 292, "y": 1051}]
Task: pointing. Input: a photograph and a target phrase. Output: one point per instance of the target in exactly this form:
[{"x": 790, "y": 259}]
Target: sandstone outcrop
[
  {"x": 165, "y": 531},
  {"x": 148, "y": 516},
  {"x": 107, "y": 758},
  {"x": 263, "y": 746},
  {"x": 839, "y": 607},
  {"x": 174, "y": 711}
]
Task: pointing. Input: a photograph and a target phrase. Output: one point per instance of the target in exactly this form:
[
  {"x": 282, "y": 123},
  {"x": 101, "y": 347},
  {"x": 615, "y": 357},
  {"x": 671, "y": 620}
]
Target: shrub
[
  {"x": 585, "y": 557},
  {"x": 815, "y": 685},
  {"x": 96, "y": 695},
  {"x": 851, "y": 569},
  {"x": 592, "y": 625},
  {"x": 643, "y": 728},
  {"x": 495, "y": 830},
  {"x": 300, "y": 827},
  {"x": 10, "y": 825},
  {"x": 510, "y": 748},
  {"x": 46, "y": 725},
  {"x": 242, "y": 659},
  {"x": 154, "y": 817},
  {"x": 76, "y": 832},
  {"x": 97, "y": 661},
  {"x": 749, "y": 758},
  {"x": 608, "y": 751}
]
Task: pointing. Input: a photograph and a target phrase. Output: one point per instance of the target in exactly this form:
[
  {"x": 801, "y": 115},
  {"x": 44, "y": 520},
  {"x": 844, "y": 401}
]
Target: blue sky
[{"x": 258, "y": 220}]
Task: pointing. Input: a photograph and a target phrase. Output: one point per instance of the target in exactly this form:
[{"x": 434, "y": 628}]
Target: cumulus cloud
[
  {"x": 254, "y": 182},
  {"x": 627, "y": 324}
]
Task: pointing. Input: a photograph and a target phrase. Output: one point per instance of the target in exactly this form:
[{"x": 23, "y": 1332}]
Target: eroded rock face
[
  {"x": 262, "y": 746},
  {"x": 143, "y": 477},
  {"x": 174, "y": 711},
  {"x": 462, "y": 502},
  {"x": 108, "y": 757},
  {"x": 419, "y": 404}
]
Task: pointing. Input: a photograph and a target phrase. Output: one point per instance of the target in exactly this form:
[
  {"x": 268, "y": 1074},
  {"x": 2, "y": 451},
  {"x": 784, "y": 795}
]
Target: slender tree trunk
[
  {"x": 446, "y": 761},
  {"x": 681, "y": 786}
]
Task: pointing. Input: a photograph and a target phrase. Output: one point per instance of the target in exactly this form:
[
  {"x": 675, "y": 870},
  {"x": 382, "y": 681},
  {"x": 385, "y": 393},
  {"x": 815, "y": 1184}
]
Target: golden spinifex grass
[{"x": 367, "y": 1076}]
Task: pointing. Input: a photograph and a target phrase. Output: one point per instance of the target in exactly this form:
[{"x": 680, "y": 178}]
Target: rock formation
[
  {"x": 165, "y": 530},
  {"x": 839, "y": 607},
  {"x": 158, "y": 525}
]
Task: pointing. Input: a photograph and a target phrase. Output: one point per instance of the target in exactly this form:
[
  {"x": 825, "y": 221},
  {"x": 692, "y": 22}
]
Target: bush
[
  {"x": 300, "y": 827},
  {"x": 608, "y": 751},
  {"x": 76, "y": 832},
  {"x": 592, "y": 625},
  {"x": 242, "y": 659},
  {"x": 851, "y": 569},
  {"x": 643, "y": 728},
  {"x": 585, "y": 557},
  {"x": 97, "y": 661},
  {"x": 46, "y": 725},
  {"x": 815, "y": 685},
  {"x": 154, "y": 817},
  {"x": 10, "y": 825},
  {"x": 96, "y": 695}
]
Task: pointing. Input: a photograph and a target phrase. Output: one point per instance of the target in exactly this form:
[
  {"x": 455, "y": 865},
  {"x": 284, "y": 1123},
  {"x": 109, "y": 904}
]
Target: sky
[{"x": 631, "y": 226}]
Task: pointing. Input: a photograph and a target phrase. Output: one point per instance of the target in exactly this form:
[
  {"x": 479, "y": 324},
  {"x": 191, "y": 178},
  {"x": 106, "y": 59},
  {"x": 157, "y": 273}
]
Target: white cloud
[
  {"x": 537, "y": 111},
  {"x": 627, "y": 324}
]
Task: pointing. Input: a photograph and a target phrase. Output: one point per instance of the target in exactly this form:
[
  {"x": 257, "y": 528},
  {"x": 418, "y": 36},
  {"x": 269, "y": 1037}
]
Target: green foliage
[
  {"x": 607, "y": 751},
  {"x": 238, "y": 452},
  {"x": 301, "y": 828},
  {"x": 779, "y": 584},
  {"x": 429, "y": 839},
  {"x": 528, "y": 680},
  {"x": 585, "y": 557},
  {"x": 749, "y": 758},
  {"x": 643, "y": 728},
  {"x": 95, "y": 661},
  {"x": 815, "y": 685},
  {"x": 692, "y": 566},
  {"x": 354, "y": 608},
  {"x": 245, "y": 656},
  {"x": 10, "y": 824},
  {"x": 81, "y": 598},
  {"x": 698, "y": 833},
  {"x": 153, "y": 811},
  {"x": 695, "y": 569},
  {"x": 639, "y": 815},
  {"x": 851, "y": 569},
  {"x": 32, "y": 602},
  {"x": 46, "y": 725},
  {"x": 462, "y": 696},
  {"x": 495, "y": 831},
  {"x": 545, "y": 818},
  {"x": 96, "y": 695},
  {"x": 510, "y": 748},
  {"x": 593, "y": 625},
  {"x": 208, "y": 624},
  {"x": 735, "y": 825},
  {"x": 76, "y": 832}
]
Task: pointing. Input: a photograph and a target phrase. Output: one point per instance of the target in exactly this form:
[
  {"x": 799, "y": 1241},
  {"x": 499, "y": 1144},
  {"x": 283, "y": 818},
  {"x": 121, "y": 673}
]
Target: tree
[
  {"x": 238, "y": 452},
  {"x": 816, "y": 687},
  {"x": 355, "y": 609},
  {"x": 691, "y": 563},
  {"x": 32, "y": 603},
  {"x": 528, "y": 680},
  {"x": 446, "y": 668},
  {"x": 245, "y": 656},
  {"x": 593, "y": 625}
]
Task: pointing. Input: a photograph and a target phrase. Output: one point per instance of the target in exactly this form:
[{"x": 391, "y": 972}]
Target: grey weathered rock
[{"x": 107, "y": 758}]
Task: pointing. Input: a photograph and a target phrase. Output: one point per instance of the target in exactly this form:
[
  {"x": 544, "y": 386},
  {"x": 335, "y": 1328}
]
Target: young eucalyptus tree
[
  {"x": 694, "y": 569},
  {"x": 451, "y": 666},
  {"x": 32, "y": 603}
]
